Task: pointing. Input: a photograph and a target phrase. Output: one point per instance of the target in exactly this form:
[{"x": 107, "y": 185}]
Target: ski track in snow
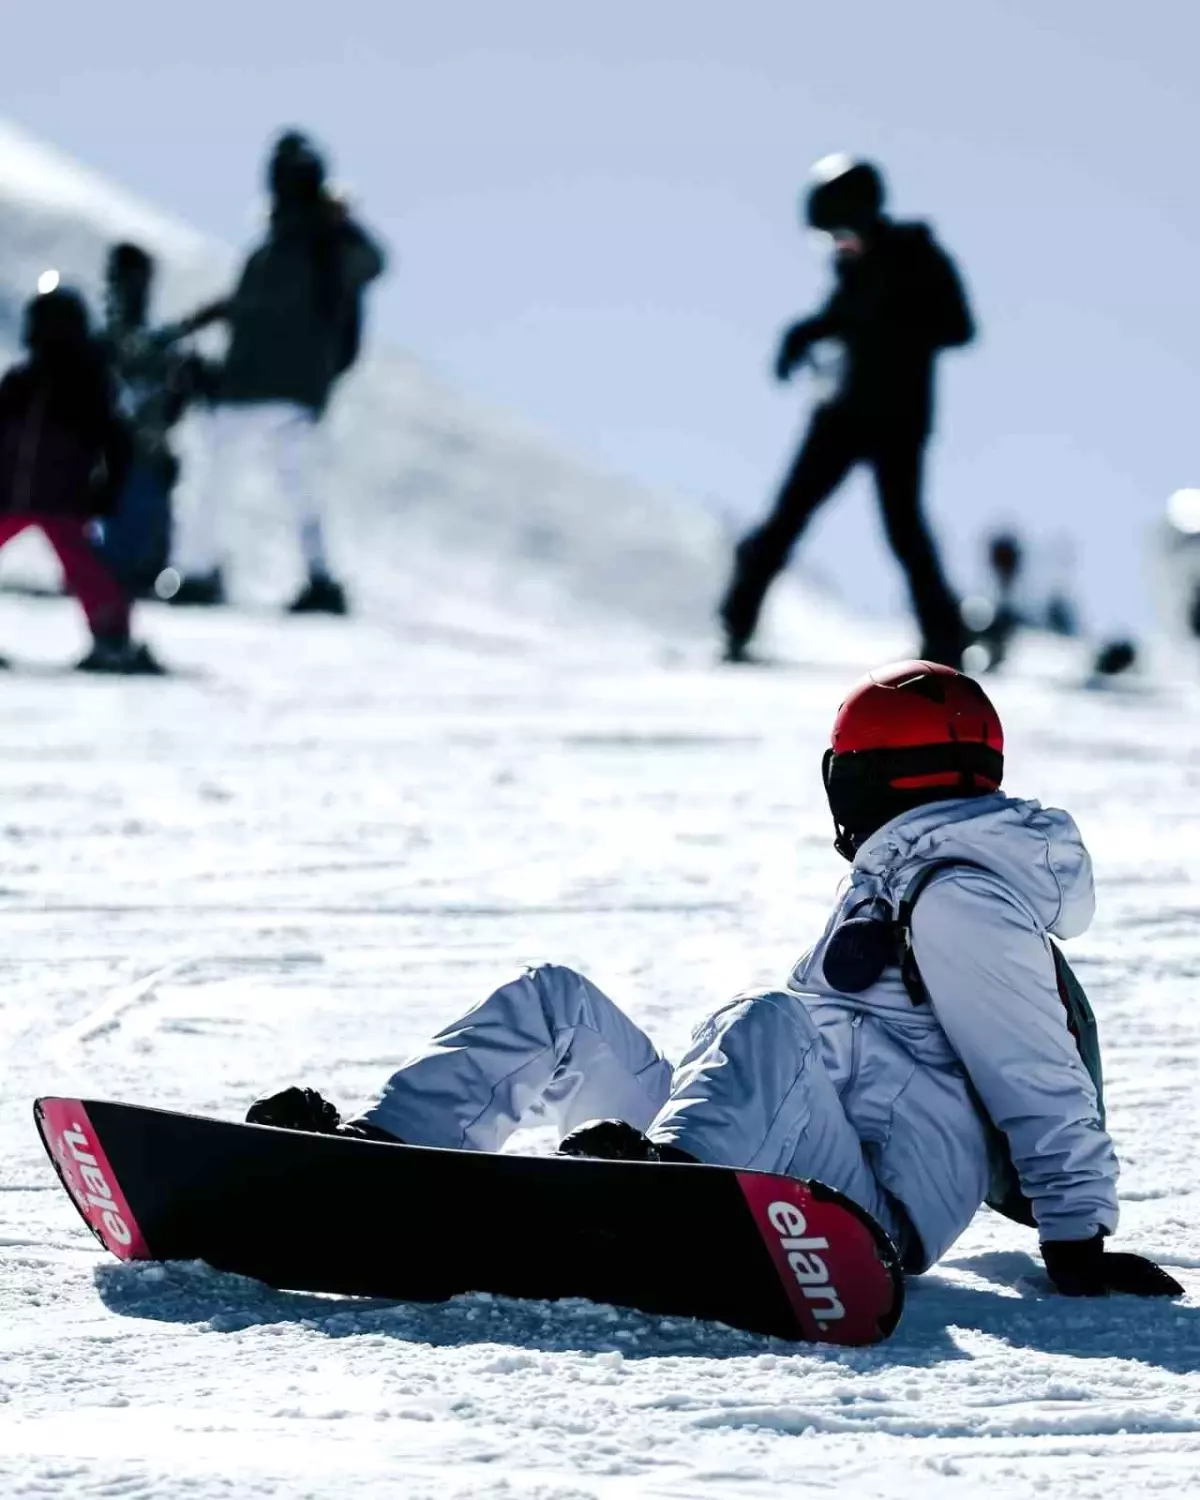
[{"x": 296, "y": 861}]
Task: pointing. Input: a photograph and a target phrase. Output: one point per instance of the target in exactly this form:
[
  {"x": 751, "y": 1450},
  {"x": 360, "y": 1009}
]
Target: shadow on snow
[{"x": 1009, "y": 1300}]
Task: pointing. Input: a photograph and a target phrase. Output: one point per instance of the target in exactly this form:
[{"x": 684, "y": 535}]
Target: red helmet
[{"x": 906, "y": 734}]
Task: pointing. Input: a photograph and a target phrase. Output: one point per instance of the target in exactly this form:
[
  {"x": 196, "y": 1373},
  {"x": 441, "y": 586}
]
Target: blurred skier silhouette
[
  {"x": 897, "y": 302},
  {"x": 1178, "y": 557},
  {"x": 1013, "y": 606},
  {"x": 156, "y": 379},
  {"x": 994, "y": 621},
  {"x": 295, "y": 325},
  {"x": 65, "y": 452}
]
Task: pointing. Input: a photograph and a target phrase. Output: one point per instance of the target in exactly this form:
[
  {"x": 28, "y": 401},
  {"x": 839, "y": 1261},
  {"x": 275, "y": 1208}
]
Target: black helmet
[
  {"x": 846, "y": 194},
  {"x": 127, "y": 278},
  {"x": 296, "y": 171},
  {"x": 56, "y": 322},
  {"x": 129, "y": 262}
]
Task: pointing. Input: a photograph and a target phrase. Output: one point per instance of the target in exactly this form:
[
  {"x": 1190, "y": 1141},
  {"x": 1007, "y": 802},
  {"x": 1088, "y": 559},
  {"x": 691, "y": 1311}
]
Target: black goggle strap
[
  {"x": 886, "y": 767},
  {"x": 860, "y": 948}
]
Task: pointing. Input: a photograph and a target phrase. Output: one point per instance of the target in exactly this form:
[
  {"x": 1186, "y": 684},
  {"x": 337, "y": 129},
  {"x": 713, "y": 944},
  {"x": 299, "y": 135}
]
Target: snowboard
[{"x": 317, "y": 1213}]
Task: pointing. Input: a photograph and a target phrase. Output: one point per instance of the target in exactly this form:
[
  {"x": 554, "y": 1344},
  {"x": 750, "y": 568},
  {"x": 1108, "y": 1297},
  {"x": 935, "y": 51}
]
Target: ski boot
[
  {"x": 1115, "y": 657},
  {"x": 736, "y": 640},
  {"x": 192, "y": 588},
  {"x": 304, "y": 1109},
  {"x": 321, "y": 595},
  {"x": 119, "y": 656},
  {"x": 616, "y": 1140}
]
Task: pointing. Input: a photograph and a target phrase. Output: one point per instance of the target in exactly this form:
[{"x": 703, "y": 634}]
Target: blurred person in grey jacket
[
  {"x": 920, "y": 1048},
  {"x": 158, "y": 377},
  {"x": 295, "y": 327}
]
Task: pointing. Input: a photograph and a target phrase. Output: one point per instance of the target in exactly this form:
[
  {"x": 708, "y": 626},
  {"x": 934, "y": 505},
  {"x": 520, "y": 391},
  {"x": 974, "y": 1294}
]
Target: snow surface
[
  {"x": 297, "y": 857},
  {"x": 294, "y": 862}
]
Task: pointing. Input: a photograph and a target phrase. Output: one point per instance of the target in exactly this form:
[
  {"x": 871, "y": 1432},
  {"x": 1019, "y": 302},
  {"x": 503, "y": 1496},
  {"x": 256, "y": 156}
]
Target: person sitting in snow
[
  {"x": 64, "y": 454},
  {"x": 921, "y": 1050}
]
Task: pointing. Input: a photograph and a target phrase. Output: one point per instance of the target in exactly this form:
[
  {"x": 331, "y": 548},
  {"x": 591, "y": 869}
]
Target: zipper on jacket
[
  {"x": 855, "y": 1034},
  {"x": 27, "y": 449}
]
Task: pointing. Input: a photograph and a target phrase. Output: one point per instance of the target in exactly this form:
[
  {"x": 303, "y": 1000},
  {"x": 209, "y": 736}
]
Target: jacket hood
[{"x": 1036, "y": 851}]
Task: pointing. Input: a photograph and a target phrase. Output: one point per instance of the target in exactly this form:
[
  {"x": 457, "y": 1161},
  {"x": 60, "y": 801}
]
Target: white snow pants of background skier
[
  {"x": 751, "y": 1092},
  {"x": 290, "y": 441}
]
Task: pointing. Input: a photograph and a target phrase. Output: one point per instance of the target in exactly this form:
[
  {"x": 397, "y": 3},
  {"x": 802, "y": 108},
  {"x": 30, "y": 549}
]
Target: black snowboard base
[{"x": 316, "y": 1213}]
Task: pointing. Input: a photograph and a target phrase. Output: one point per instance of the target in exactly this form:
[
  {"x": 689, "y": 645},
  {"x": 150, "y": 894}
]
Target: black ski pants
[{"x": 833, "y": 445}]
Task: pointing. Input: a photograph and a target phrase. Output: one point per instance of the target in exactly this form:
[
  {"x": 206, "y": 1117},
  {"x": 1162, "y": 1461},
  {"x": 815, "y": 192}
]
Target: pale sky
[{"x": 592, "y": 210}]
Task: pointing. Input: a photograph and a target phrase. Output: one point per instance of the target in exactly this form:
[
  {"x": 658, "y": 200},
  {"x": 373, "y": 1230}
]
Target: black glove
[
  {"x": 1083, "y": 1268},
  {"x": 295, "y": 1109},
  {"x": 616, "y": 1140},
  {"x": 793, "y": 346}
]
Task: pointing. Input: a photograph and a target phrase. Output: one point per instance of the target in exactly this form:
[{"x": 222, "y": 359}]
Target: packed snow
[
  {"x": 320, "y": 838},
  {"x": 295, "y": 859}
]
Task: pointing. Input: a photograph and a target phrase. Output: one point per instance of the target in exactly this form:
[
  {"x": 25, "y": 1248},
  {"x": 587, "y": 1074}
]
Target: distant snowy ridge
[
  {"x": 56, "y": 213},
  {"x": 441, "y": 509},
  {"x": 34, "y": 173}
]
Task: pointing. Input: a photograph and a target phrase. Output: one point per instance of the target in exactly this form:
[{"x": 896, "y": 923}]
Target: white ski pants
[
  {"x": 752, "y": 1090},
  {"x": 285, "y": 438}
]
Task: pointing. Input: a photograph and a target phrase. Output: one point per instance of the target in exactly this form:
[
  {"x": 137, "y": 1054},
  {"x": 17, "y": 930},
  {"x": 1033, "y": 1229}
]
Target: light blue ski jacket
[{"x": 915, "y": 1081}]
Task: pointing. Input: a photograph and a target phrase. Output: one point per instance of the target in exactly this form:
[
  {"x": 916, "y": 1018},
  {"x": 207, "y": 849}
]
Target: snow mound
[{"x": 57, "y": 214}]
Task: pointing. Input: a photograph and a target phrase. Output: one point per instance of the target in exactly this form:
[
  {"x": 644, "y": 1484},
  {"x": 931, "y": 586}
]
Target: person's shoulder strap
[
  {"x": 1081, "y": 1022},
  {"x": 910, "y": 973}
]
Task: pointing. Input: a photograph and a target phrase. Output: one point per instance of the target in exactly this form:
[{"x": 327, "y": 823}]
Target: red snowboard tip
[
  {"x": 79, "y": 1159},
  {"x": 840, "y": 1271}
]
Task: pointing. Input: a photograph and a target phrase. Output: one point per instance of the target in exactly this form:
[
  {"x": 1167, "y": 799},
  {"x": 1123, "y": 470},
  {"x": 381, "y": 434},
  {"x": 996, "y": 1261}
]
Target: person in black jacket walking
[
  {"x": 294, "y": 329},
  {"x": 898, "y": 301}
]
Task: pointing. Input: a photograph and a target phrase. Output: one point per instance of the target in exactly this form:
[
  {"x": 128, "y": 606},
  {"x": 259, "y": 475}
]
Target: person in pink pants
[
  {"x": 64, "y": 452},
  {"x": 104, "y": 605}
]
